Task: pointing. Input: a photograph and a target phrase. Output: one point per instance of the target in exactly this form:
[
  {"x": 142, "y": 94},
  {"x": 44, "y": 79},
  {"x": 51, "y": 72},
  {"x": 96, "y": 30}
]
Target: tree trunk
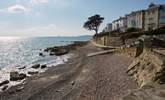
[{"x": 96, "y": 31}]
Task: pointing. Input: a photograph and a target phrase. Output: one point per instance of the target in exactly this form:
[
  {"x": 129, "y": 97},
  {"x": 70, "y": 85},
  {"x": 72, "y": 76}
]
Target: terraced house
[
  {"x": 154, "y": 17},
  {"x": 136, "y": 19},
  {"x": 149, "y": 19},
  {"x": 119, "y": 24},
  {"x": 108, "y": 28}
]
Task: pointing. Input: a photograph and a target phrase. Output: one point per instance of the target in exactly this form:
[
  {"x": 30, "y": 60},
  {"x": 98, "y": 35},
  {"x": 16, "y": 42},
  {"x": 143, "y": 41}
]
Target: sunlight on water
[
  {"x": 8, "y": 39},
  {"x": 20, "y": 51}
]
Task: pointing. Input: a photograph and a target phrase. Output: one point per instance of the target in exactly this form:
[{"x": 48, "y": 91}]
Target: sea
[{"x": 17, "y": 52}]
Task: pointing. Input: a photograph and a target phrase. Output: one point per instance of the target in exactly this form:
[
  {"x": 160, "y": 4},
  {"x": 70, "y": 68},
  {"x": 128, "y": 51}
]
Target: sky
[{"x": 61, "y": 17}]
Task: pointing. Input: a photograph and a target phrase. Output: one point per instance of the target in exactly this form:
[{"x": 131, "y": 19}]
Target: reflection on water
[
  {"x": 16, "y": 51},
  {"x": 9, "y": 39}
]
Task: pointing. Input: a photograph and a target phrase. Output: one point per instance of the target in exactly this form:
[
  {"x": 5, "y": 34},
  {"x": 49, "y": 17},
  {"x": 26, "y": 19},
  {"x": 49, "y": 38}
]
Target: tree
[{"x": 93, "y": 23}]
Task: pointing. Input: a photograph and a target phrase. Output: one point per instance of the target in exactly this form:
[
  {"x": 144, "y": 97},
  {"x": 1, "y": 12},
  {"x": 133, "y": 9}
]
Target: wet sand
[{"x": 100, "y": 77}]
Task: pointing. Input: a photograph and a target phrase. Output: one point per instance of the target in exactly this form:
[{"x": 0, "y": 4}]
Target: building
[
  {"x": 108, "y": 28},
  {"x": 162, "y": 16},
  {"x": 119, "y": 24},
  {"x": 154, "y": 17},
  {"x": 136, "y": 19}
]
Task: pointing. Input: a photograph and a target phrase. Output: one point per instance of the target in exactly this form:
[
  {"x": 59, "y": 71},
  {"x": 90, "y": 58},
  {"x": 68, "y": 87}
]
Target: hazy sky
[{"x": 60, "y": 17}]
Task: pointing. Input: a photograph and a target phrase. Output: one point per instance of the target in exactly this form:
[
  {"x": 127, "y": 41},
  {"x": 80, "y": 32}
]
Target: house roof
[
  {"x": 135, "y": 12},
  {"x": 155, "y": 6},
  {"x": 121, "y": 18}
]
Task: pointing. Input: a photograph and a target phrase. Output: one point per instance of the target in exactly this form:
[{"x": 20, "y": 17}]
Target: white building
[
  {"x": 136, "y": 19},
  {"x": 108, "y": 27},
  {"x": 154, "y": 17},
  {"x": 119, "y": 24}
]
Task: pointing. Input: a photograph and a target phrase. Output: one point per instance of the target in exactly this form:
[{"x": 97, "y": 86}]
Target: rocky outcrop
[
  {"x": 5, "y": 87},
  {"x": 32, "y": 72},
  {"x": 43, "y": 66},
  {"x": 4, "y": 82},
  {"x": 58, "y": 51},
  {"x": 36, "y": 66},
  {"x": 148, "y": 67},
  {"x": 148, "y": 70},
  {"x": 62, "y": 50},
  {"x": 15, "y": 76}
]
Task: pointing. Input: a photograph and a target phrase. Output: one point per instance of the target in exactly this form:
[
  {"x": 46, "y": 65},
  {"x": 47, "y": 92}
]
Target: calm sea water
[{"x": 16, "y": 51}]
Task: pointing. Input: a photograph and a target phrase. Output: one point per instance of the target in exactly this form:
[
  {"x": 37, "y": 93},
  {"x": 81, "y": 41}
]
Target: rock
[
  {"x": 41, "y": 54},
  {"x": 5, "y": 87},
  {"x": 73, "y": 83},
  {"x": 43, "y": 66},
  {"x": 11, "y": 92},
  {"x": 24, "y": 83},
  {"x": 52, "y": 54},
  {"x": 22, "y": 68},
  {"x": 61, "y": 51},
  {"x": 148, "y": 67},
  {"x": 19, "y": 89},
  {"x": 22, "y": 76},
  {"x": 15, "y": 76},
  {"x": 32, "y": 73},
  {"x": 58, "y": 51},
  {"x": 36, "y": 66},
  {"x": 4, "y": 82},
  {"x": 57, "y": 90}
]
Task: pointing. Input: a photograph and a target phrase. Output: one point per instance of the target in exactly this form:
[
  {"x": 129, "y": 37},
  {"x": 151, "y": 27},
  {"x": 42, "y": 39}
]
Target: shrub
[{"x": 132, "y": 29}]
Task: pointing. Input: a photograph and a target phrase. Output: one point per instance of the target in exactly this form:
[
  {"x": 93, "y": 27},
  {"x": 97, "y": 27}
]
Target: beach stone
[
  {"x": 36, "y": 66},
  {"x": 22, "y": 68},
  {"x": 40, "y": 54},
  {"x": 73, "y": 83},
  {"x": 43, "y": 66},
  {"x": 4, "y": 82},
  {"x": 32, "y": 73},
  {"x": 52, "y": 54},
  {"x": 5, "y": 87},
  {"x": 15, "y": 76},
  {"x": 57, "y": 90},
  {"x": 19, "y": 89},
  {"x": 24, "y": 83}
]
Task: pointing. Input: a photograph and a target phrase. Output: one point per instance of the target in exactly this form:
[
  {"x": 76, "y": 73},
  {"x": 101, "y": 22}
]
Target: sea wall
[
  {"x": 102, "y": 40},
  {"x": 128, "y": 51},
  {"x": 107, "y": 40}
]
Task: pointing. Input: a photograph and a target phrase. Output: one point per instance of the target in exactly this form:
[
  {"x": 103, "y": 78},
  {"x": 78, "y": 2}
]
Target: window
[
  {"x": 150, "y": 20},
  {"x": 162, "y": 20},
  {"x": 133, "y": 23}
]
